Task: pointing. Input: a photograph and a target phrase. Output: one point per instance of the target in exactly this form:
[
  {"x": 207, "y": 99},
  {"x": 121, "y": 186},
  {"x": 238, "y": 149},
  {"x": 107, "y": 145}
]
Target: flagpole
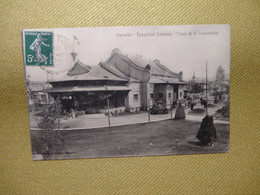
[
  {"x": 148, "y": 108},
  {"x": 206, "y": 88}
]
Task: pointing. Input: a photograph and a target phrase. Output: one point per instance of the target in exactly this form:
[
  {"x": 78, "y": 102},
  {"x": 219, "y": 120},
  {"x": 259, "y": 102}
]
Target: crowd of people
[{"x": 190, "y": 102}]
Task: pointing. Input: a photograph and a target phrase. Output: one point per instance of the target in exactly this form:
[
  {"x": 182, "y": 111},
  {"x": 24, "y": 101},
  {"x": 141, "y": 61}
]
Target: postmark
[
  {"x": 64, "y": 54},
  {"x": 38, "y": 46}
]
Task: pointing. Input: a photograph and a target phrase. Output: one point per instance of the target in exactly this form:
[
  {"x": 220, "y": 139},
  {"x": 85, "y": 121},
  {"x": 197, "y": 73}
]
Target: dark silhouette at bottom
[{"x": 207, "y": 133}]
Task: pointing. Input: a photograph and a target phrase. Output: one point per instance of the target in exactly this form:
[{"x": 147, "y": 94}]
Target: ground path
[
  {"x": 90, "y": 121},
  {"x": 100, "y": 120}
]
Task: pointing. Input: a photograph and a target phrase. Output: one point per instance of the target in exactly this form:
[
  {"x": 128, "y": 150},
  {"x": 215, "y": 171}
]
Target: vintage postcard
[{"x": 127, "y": 91}]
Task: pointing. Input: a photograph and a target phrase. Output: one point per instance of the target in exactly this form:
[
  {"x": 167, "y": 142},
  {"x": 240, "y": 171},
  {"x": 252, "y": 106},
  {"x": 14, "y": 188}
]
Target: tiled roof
[
  {"x": 120, "y": 67},
  {"x": 91, "y": 73},
  {"x": 114, "y": 70},
  {"x": 156, "y": 67},
  {"x": 123, "y": 64}
]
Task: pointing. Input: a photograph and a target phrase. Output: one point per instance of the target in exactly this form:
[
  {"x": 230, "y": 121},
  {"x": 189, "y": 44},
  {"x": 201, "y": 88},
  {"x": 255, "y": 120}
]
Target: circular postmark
[{"x": 63, "y": 54}]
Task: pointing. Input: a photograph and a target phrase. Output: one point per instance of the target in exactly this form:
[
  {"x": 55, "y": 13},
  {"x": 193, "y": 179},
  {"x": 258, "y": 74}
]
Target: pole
[
  {"x": 206, "y": 88},
  {"x": 171, "y": 107},
  {"x": 108, "y": 116},
  {"x": 57, "y": 113},
  {"x": 148, "y": 107}
]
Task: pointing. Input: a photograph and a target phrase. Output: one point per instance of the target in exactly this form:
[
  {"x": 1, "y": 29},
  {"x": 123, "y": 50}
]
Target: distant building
[
  {"x": 37, "y": 92},
  {"x": 196, "y": 85},
  {"x": 222, "y": 80},
  {"x": 220, "y": 76},
  {"x": 129, "y": 84}
]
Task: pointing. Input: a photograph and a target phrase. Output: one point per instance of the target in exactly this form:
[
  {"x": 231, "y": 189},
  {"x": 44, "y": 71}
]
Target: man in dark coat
[
  {"x": 191, "y": 106},
  {"x": 201, "y": 100}
]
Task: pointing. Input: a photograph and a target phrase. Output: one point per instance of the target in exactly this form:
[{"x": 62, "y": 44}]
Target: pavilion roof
[{"x": 81, "y": 72}]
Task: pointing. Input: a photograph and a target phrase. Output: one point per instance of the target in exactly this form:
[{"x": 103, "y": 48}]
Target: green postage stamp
[{"x": 38, "y": 48}]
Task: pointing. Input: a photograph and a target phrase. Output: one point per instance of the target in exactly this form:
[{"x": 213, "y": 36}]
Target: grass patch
[
  {"x": 197, "y": 111},
  {"x": 167, "y": 137}
]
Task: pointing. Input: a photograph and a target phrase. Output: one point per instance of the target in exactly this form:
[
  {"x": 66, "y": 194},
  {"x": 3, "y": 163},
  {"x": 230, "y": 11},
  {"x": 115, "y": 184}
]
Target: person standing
[
  {"x": 201, "y": 101},
  {"x": 191, "y": 105}
]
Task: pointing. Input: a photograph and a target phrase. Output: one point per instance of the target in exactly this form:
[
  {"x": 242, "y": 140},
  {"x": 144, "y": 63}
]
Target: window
[
  {"x": 180, "y": 94},
  {"x": 160, "y": 95},
  {"x": 169, "y": 95},
  {"x": 151, "y": 95},
  {"x": 135, "y": 97}
]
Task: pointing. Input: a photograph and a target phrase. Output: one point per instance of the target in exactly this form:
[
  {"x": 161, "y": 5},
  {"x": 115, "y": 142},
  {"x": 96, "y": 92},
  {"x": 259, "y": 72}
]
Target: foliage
[
  {"x": 217, "y": 93},
  {"x": 211, "y": 105},
  {"x": 223, "y": 112},
  {"x": 159, "y": 108},
  {"x": 197, "y": 111},
  {"x": 48, "y": 142},
  {"x": 196, "y": 88},
  {"x": 50, "y": 116},
  {"x": 51, "y": 140}
]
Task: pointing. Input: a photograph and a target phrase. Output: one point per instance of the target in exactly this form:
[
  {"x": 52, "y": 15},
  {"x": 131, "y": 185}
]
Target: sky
[{"x": 180, "y": 48}]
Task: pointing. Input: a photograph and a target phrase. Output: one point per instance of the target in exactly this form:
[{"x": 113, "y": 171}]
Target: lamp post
[
  {"x": 148, "y": 108},
  {"x": 108, "y": 116},
  {"x": 171, "y": 107}
]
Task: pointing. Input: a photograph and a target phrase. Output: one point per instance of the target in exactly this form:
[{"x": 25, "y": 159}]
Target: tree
[
  {"x": 51, "y": 140},
  {"x": 51, "y": 117}
]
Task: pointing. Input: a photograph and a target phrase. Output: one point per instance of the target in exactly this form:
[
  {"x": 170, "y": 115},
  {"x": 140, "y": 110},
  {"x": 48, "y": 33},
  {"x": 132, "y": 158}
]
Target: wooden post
[
  {"x": 148, "y": 108},
  {"x": 108, "y": 116}
]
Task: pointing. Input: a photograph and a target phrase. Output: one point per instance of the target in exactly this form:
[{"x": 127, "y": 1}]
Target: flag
[{"x": 75, "y": 38}]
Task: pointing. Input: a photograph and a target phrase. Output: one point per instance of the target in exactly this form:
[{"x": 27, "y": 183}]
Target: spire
[{"x": 193, "y": 77}]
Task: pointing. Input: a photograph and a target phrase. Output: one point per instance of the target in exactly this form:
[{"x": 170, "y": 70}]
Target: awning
[{"x": 87, "y": 88}]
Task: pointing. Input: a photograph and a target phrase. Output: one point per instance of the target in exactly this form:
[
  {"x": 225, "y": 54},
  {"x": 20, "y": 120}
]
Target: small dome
[
  {"x": 180, "y": 73},
  {"x": 116, "y": 51},
  {"x": 220, "y": 68}
]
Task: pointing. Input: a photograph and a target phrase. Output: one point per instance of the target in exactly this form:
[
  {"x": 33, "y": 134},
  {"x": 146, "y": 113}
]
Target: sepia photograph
[{"x": 127, "y": 91}]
